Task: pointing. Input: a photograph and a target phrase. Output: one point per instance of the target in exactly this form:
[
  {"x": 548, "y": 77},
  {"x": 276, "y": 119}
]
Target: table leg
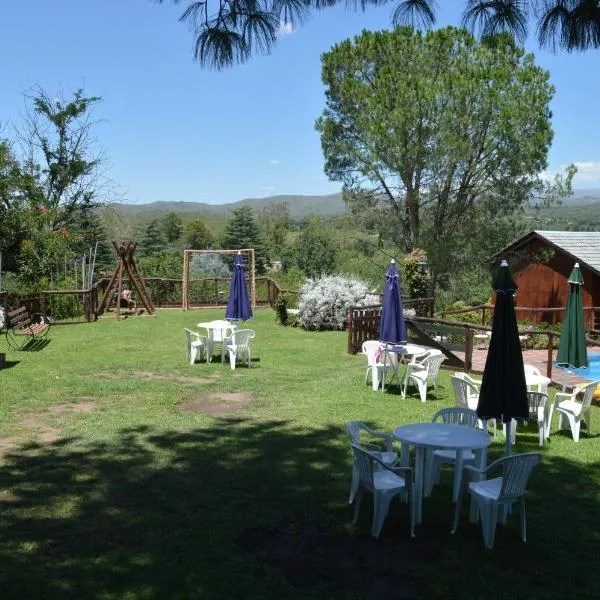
[
  {"x": 458, "y": 466},
  {"x": 419, "y": 468},
  {"x": 480, "y": 461}
]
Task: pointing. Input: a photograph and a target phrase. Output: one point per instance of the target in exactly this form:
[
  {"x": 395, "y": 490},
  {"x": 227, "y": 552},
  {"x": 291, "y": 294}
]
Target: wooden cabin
[{"x": 541, "y": 262}]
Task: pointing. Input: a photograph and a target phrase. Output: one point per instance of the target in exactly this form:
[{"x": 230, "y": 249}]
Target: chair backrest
[
  {"x": 536, "y": 400},
  {"x": 462, "y": 390},
  {"x": 531, "y": 370},
  {"x": 190, "y": 335},
  {"x": 363, "y": 463},
  {"x": 222, "y": 330},
  {"x": 588, "y": 394},
  {"x": 462, "y": 375},
  {"x": 353, "y": 428},
  {"x": 371, "y": 348},
  {"x": 241, "y": 337},
  {"x": 433, "y": 363},
  {"x": 517, "y": 469},
  {"x": 456, "y": 415}
]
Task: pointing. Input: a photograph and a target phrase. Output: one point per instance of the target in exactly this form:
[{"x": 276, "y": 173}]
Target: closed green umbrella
[
  {"x": 503, "y": 394},
  {"x": 572, "y": 348}
]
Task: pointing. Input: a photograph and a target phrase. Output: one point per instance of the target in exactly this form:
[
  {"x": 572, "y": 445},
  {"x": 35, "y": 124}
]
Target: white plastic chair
[
  {"x": 196, "y": 345},
  {"x": 373, "y": 350},
  {"x": 239, "y": 346},
  {"x": 424, "y": 371},
  {"x": 384, "y": 483},
  {"x": 220, "y": 332},
  {"x": 388, "y": 457},
  {"x": 466, "y": 393},
  {"x": 572, "y": 410},
  {"x": 538, "y": 413},
  {"x": 488, "y": 495},
  {"x": 456, "y": 415},
  {"x": 531, "y": 370}
]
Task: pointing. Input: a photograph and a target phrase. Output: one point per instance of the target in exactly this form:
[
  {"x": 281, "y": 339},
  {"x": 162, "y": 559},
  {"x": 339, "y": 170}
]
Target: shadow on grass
[{"x": 246, "y": 509}]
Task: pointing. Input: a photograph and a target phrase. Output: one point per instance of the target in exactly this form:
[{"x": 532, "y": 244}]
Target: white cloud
[
  {"x": 286, "y": 28},
  {"x": 588, "y": 171},
  {"x": 274, "y": 161}
]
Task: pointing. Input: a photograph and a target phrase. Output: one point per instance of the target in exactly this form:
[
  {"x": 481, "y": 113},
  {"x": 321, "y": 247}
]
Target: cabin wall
[{"x": 545, "y": 285}]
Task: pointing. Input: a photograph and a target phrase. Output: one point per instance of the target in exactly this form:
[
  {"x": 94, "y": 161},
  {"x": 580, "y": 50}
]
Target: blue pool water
[{"x": 591, "y": 372}]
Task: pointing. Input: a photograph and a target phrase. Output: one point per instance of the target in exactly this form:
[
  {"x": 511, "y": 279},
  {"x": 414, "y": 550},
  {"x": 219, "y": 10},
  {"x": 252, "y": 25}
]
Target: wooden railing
[{"x": 533, "y": 315}]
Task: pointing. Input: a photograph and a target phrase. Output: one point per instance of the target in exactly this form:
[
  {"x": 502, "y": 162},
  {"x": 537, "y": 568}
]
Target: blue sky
[{"x": 173, "y": 131}]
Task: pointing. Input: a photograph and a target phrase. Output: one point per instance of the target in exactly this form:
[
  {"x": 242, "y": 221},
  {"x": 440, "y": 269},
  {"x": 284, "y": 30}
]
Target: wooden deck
[{"x": 537, "y": 358}]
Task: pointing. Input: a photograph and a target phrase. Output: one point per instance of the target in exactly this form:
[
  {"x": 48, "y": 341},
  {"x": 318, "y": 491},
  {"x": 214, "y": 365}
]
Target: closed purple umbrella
[
  {"x": 238, "y": 305},
  {"x": 392, "y": 328}
]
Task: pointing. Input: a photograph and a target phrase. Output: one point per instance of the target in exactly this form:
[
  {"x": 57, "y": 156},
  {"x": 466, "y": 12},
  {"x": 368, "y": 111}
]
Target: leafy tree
[
  {"x": 231, "y": 31},
  {"x": 196, "y": 235},
  {"x": 172, "y": 227},
  {"x": 153, "y": 241},
  {"x": 59, "y": 138},
  {"x": 241, "y": 231},
  {"x": 434, "y": 132},
  {"x": 315, "y": 252},
  {"x": 273, "y": 222}
]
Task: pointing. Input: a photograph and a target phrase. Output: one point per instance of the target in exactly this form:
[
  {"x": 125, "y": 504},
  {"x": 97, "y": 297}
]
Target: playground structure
[{"x": 126, "y": 268}]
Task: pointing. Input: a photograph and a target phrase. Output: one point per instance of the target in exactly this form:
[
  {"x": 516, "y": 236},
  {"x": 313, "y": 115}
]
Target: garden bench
[{"x": 20, "y": 329}]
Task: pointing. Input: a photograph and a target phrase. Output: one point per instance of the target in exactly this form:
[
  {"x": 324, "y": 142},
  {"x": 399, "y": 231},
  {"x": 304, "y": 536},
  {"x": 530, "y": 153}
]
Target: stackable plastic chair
[
  {"x": 456, "y": 415},
  {"x": 388, "y": 457},
  {"x": 384, "y": 483},
  {"x": 196, "y": 345},
  {"x": 374, "y": 353},
  {"x": 491, "y": 498},
  {"x": 238, "y": 346},
  {"x": 572, "y": 410},
  {"x": 424, "y": 371},
  {"x": 531, "y": 370},
  {"x": 466, "y": 393}
]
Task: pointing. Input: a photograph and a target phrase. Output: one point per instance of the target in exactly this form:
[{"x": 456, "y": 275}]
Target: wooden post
[
  {"x": 468, "y": 349},
  {"x": 186, "y": 269},
  {"x": 549, "y": 359}
]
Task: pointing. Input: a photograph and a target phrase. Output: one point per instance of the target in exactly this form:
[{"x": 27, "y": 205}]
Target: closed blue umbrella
[
  {"x": 503, "y": 394},
  {"x": 392, "y": 328},
  {"x": 238, "y": 305}
]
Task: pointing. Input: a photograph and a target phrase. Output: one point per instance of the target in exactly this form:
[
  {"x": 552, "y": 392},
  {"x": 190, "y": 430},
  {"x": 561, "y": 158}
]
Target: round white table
[
  {"x": 217, "y": 331},
  {"x": 404, "y": 352},
  {"x": 424, "y": 436},
  {"x": 540, "y": 382}
]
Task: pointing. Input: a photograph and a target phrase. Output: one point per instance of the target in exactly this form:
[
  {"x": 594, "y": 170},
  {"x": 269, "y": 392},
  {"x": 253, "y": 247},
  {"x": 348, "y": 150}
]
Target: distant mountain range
[{"x": 300, "y": 206}]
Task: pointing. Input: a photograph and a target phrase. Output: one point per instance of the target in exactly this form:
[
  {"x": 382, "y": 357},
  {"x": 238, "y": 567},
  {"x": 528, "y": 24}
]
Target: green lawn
[{"x": 115, "y": 485}]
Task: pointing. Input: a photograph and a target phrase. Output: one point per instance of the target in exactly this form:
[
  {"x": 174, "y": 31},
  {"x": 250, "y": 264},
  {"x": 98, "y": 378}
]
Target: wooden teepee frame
[{"x": 126, "y": 265}]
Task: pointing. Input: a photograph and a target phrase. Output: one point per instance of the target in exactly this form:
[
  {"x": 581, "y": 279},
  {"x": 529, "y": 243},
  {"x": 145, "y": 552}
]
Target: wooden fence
[{"x": 535, "y": 316}]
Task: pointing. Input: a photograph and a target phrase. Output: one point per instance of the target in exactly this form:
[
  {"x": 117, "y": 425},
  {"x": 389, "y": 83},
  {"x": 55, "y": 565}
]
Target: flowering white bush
[
  {"x": 409, "y": 313},
  {"x": 324, "y": 302}
]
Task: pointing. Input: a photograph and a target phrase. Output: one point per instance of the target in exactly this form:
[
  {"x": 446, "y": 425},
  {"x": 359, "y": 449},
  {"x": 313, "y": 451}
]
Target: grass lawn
[{"x": 128, "y": 473}]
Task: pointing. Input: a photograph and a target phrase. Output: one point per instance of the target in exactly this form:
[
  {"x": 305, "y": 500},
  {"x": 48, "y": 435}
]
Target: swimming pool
[{"x": 591, "y": 372}]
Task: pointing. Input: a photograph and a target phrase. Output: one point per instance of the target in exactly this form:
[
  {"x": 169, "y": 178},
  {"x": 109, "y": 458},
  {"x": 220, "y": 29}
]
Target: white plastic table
[
  {"x": 424, "y": 436},
  {"x": 404, "y": 351},
  {"x": 216, "y": 332},
  {"x": 539, "y": 382}
]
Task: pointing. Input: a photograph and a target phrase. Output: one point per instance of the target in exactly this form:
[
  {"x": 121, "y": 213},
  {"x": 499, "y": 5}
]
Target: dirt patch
[
  {"x": 180, "y": 378},
  {"x": 45, "y": 433},
  {"x": 378, "y": 569},
  {"x": 218, "y": 403},
  {"x": 75, "y": 407}
]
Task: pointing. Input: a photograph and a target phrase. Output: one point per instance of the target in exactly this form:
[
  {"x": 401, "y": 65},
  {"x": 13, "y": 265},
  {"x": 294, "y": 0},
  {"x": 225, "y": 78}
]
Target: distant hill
[{"x": 300, "y": 206}]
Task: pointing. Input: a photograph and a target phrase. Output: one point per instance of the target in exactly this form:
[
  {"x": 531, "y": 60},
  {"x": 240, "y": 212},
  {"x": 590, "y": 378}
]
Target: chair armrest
[
  {"x": 406, "y": 472},
  {"x": 388, "y": 437},
  {"x": 560, "y": 396}
]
